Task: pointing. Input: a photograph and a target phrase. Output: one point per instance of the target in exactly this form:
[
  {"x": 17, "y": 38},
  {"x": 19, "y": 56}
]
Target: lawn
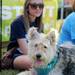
[{"x": 9, "y": 72}]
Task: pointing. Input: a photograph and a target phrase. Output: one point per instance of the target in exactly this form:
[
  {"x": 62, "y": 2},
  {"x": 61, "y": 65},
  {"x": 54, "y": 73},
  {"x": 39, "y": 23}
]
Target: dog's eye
[
  {"x": 45, "y": 46},
  {"x": 36, "y": 45}
]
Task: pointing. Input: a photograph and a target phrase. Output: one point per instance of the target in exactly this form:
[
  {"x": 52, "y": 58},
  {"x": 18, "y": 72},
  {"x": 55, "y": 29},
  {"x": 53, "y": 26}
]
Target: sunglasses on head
[{"x": 34, "y": 5}]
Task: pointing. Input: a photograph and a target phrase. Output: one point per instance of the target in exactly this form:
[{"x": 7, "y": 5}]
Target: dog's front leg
[{"x": 25, "y": 73}]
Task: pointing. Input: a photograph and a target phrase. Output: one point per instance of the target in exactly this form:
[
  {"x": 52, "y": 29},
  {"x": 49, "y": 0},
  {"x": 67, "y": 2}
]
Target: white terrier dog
[{"x": 44, "y": 54}]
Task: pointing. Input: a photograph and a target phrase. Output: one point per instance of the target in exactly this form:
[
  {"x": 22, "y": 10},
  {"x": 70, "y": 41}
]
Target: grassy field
[{"x": 9, "y": 72}]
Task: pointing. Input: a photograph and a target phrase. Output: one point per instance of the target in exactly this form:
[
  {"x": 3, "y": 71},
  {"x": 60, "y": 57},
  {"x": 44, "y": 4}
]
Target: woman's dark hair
[{"x": 26, "y": 18}]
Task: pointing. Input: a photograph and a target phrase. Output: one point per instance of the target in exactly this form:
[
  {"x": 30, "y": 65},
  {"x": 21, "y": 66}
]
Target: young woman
[
  {"x": 67, "y": 32},
  {"x": 33, "y": 10}
]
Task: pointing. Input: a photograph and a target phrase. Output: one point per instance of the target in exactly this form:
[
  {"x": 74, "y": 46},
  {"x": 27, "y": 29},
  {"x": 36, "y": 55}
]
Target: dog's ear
[
  {"x": 32, "y": 33},
  {"x": 52, "y": 37}
]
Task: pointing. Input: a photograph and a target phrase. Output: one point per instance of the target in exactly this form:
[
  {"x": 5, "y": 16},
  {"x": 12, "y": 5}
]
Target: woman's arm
[
  {"x": 23, "y": 45},
  {"x": 18, "y": 33}
]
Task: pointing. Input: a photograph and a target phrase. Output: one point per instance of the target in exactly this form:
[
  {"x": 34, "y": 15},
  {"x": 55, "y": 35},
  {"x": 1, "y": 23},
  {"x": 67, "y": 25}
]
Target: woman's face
[
  {"x": 71, "y": 2},
  {"x": 36, "y": 7}
]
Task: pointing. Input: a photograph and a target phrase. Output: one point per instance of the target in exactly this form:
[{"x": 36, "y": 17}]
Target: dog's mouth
[{"x": 39, "y": 62}]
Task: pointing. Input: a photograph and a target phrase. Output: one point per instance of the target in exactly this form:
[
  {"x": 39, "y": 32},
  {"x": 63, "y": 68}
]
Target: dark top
[{"x": 18, "y": 31}]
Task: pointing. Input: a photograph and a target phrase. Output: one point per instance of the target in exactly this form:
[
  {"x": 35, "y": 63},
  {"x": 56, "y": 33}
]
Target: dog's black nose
[{"x": 38, "y": 56}]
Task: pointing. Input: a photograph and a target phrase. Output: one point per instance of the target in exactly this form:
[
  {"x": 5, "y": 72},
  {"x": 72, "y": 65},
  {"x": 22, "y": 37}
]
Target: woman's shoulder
[
  {"x": 18, "y": 21},
  {"x": 71, "y": 16}
]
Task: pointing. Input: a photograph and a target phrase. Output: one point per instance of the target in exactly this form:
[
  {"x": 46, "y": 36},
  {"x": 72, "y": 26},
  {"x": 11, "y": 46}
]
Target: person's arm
[
  {"x": 72, "y": 31},
  {"x": 18, "y": 33},
  {"x": 23, "y": 45}
]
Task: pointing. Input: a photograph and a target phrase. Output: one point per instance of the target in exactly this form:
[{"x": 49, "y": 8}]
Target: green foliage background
[{"x": 47, "y": 20}]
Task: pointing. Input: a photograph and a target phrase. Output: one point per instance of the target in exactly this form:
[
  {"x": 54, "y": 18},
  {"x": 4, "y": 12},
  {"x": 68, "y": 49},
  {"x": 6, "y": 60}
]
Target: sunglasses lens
[
  {"x": 41, "y": 6},
  {"x": 34, "y": 6}
]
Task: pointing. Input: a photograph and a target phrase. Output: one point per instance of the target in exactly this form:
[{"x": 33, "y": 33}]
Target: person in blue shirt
[
  {"x": 33, "y": 10},
  {"x": 67, "y": 32}
]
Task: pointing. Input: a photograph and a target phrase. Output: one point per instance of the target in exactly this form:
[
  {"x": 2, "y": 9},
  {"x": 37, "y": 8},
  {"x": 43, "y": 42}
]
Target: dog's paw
[
  {"x": 21, "y": 73},
  {"x": 24, "y": 73}
]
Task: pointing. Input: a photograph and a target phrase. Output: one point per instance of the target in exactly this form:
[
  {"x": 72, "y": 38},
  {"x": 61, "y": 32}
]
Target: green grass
[
  {"x": 3, "y": 50},
  {"x": 9, "y": 72}
]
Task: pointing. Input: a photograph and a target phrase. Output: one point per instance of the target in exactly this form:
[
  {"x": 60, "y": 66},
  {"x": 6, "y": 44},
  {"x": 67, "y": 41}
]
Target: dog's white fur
[
  {"x": 44, "y": 45},
  {"x": 39, "y": 43}
]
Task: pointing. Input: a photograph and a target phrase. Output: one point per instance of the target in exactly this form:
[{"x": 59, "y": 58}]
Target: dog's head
[{"x": 42, "y": 47}]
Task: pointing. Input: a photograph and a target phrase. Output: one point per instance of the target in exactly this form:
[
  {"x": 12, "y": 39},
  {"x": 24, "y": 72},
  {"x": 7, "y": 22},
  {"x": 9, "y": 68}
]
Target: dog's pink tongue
[{"x": 39, "y": 62}]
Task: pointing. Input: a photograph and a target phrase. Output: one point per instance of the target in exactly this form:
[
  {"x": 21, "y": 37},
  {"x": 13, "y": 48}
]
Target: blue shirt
[{"x": 67, "y": 32}]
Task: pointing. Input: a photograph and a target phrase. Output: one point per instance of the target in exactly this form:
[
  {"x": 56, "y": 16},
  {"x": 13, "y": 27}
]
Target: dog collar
[{"x": 50, "y": 66}]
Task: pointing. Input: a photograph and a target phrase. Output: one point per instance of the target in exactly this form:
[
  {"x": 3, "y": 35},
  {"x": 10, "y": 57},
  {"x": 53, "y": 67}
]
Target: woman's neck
[{"x": 32, "y": 18}]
